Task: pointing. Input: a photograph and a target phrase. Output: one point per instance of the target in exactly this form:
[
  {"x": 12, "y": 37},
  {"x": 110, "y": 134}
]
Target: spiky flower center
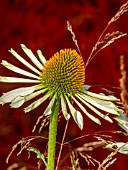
[{"x": 64, "y": 73}]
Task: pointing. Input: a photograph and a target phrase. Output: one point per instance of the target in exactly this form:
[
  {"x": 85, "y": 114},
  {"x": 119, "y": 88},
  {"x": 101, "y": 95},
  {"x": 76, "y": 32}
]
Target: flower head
[
  {"x": 63, "y": 77},
  {"x": 64, "y": 73}
]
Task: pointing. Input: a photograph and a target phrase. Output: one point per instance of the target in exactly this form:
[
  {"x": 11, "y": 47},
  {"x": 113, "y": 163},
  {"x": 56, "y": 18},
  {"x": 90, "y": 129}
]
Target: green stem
[{"x": 52, "y": 135}]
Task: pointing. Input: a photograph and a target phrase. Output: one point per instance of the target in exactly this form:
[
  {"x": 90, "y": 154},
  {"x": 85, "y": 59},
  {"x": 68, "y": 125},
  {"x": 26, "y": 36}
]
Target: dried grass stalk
[
  {"x": 122, "y": 81},
  {"x": 109, "y": 160},
  {"x": 44, "y": 123},
  {"x": 122, "y": 10},
  {"x": 13, "y": 166},
  {"x": 89, "y": 159},
  {"x": 69, "y": 28},
  {"x": 24, "y": 144},
  {"x": 109, "y": 38},
  {"x": 91, "y": 146},
  {"x": 75, "y": 161}
]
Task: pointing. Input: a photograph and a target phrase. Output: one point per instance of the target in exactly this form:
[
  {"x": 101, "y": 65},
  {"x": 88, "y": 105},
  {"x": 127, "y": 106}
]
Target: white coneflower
[{"x": 62, "y": 77}]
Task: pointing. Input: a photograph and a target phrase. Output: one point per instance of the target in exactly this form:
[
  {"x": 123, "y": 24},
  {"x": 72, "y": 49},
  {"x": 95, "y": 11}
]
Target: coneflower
[
  {"x": 63, "y": 77},
  {"x": 61, "y": 80}
]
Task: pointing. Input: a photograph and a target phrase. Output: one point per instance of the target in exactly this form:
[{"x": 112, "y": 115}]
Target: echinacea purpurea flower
[{"x": 63, "y": 77}]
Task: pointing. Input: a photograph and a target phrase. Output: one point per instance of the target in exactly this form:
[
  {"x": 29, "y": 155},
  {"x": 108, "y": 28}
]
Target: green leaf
[{"x": 39, "y": 154}]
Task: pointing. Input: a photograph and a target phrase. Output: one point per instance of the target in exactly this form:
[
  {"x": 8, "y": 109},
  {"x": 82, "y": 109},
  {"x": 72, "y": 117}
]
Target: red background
[{"x": 42, "y": 25}]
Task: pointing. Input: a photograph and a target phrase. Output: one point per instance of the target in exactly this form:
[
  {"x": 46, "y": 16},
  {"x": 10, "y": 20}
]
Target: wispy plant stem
[
  {"x": 57, "y": 165},
  {"x": 52, "y": 135}
]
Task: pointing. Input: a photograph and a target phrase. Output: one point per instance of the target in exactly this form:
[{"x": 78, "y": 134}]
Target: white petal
[
  {"x": 85, "y": 111},
  {"x": 79, "y": 119},
  {"x": 86, "y": 87},
  {"x": 97, "y": 104},
  {"x": 95, "y": 110},
  {"x": 17, "y": 80},
  {"x": 64, "y": 109},
  {"x": 35, "y": 94},
  {"x": 76, "y": 115},
  {"x": 23, "y": 61},
  {"x": 120, "y": 147},
  {"x": 37, "y": 103},
  {"x": 48, "y": 110},
  {"x": 122, "y": 123},
  {"x": 9, "y": 96},
  {"x": 20, "y": 100},
  {"x": 17, "y": 102},
  {"x": 41, "y": 57},
  {"x": 32, "y": 56},
  {"x": 100, "y": 96},
  {"x": 18, "y": 70}
]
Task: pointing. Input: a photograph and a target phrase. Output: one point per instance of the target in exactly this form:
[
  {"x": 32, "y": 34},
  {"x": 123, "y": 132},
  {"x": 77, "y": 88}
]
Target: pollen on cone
[{"x": 64, "y": 73}]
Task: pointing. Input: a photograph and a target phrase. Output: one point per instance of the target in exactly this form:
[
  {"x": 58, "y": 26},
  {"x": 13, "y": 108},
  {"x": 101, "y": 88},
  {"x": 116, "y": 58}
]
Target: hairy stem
[{"x": 52, "y": 135}]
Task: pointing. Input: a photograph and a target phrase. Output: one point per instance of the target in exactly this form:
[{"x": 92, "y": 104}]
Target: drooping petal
[
  {"x": 100, "y": 104},
  {"x": 86, "y": 87},
  {"x": 120, "y": 147},
  {"x": 34, "y": 94},
  {"x": 11, "y": 95},
  {"x": 100, "y": 96},
  {"x": 17, "y": 102},
  {"x": 18, "y": 70},
  {"x": 41, "y": 57},
  {"x": 23, "y": 61},
  {"x": 64, "y": 109},
  {"x": 48, "y": 110},
  {"x": 85, "y": 111},
  {"x": 106, "y": 117},
  {"x": 37, "y": 103},
  {"x": 77, "y": 116},
  {"x": 122, "y": 120},
  {"x": 32, "y": 56},
  {"x": 17, "y": 80},
  {"x": 20, "y": 100}
]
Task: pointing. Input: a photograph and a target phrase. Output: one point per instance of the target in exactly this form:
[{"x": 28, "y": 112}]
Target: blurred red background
[{"x": 43, "y": 25}]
